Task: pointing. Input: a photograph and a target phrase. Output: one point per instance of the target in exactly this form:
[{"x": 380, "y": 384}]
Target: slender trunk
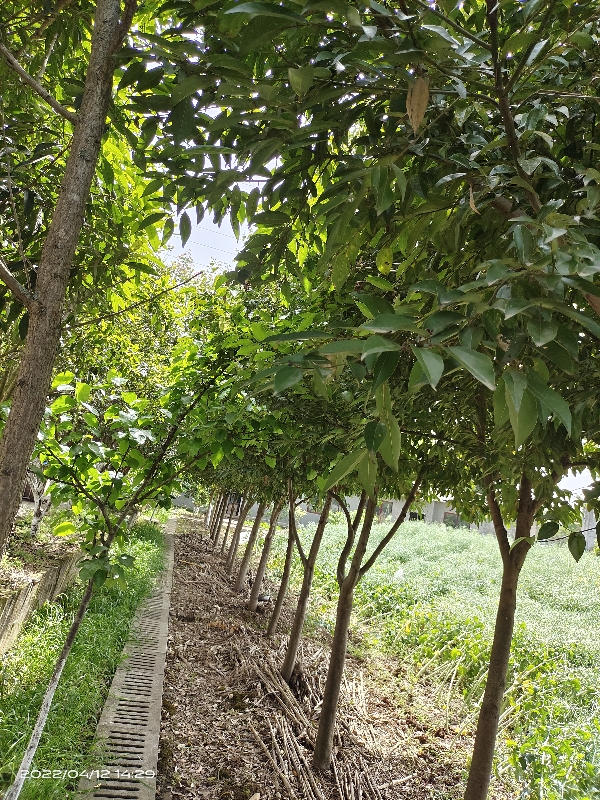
[
  {"x": 42, "y": 503},
  {"x": 289, "y": 661},
  {"x": 337, "y": 660},
  {"x": 264, "y": 557},
  {"x": 214, "y": 513},
  {"x": 219, "y": 519},
  {"x": 480, "y": 771},
  {"x": 227, "y": 528},
  {"x": 285, "y": 581},
  {"x": 45, "y": 319},
  {"x": 243, "y": 571},
  {"x": 235, "y": 541},
  {"x": 15, "y": 790}
]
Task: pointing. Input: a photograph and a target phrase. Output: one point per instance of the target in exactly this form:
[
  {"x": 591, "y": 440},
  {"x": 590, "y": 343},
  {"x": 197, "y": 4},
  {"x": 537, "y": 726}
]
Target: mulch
[{"x": 233, "y": 730}]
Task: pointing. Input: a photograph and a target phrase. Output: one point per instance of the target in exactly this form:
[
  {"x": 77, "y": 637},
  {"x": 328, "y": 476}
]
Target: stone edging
[{"x": 128, "y": 731}]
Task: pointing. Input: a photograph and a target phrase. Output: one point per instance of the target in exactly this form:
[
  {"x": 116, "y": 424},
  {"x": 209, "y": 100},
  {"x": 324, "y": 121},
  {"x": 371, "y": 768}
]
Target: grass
[
  {"x": 431, "y": 601},
  {"x": 26, "y": 669}
]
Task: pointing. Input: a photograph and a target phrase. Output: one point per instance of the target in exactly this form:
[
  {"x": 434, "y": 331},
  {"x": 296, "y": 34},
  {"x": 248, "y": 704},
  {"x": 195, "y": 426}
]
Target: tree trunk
[
  {"x": 213, "y": 511},
  {"x": 209, "y": 511},
  {"x": 15, "y": 790},
  {"x": 41, "y": 503},
  {"x": 235, "y": 541},
  {"x": 227, "y": 528},
  {"x": 264, "y": 557},
  {"x": 337, "y": 660},
  {"x": 45, "y": 320},
  {"x": 289, "y": 661},
  {"x": 480, "y": 771},
  {"x": 243, "y": 571},
  {"x": 285, "y": 580},
  {"x": 219, "y": 520}
]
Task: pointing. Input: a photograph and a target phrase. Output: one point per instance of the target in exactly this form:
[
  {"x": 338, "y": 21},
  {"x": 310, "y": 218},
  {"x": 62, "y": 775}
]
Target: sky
[{"x": 209, "y": 242}]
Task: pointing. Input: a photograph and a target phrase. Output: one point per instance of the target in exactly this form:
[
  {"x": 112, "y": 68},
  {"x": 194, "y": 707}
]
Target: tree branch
[
  {"x": 467, "y": 34},
  {"x": 392, "y": 531},
  {"x": 37, "y": 88},
  {"x": 20, "y": 292}
]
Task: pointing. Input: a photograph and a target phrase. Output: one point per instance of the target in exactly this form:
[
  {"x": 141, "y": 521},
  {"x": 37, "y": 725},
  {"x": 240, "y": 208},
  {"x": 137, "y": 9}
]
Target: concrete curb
[{"x": 128, "y": 731}]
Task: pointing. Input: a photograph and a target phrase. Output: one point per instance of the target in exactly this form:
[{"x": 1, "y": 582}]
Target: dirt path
[{"x": 232, "y": 730}]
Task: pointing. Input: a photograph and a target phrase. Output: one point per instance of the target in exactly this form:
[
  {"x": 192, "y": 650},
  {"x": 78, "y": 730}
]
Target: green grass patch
[
  {"x": 431, "y": 600},
  {"x": 26, "y": 669}
]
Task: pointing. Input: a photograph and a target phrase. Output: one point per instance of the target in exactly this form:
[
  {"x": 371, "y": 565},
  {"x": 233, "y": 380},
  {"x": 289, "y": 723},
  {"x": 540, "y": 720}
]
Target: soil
[
  {"x": 233, "y": 730},
  {"x": 25, "y": 558}
]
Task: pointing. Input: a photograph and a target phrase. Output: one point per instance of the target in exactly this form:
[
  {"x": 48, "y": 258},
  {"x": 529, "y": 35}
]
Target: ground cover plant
[
  {"x": 430, "y": 600},
  {"x": 26, "y": 668}
]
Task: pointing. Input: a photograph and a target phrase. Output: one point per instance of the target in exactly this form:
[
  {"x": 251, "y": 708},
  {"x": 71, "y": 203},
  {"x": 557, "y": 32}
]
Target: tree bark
[
  {"x": 235, "y": 541},
  {"x": 41, "y": 502},
  {"x": 219, "y": 519},
  {"x": 43, "y": 336},
  {"x": 285, "y": 577},
  {"x": 227, "y": 529},
  {"x": 264, "y": 557},
  {"x": 15, "y": 790},
  {"x": 291, "y": 654},
  {"x": 480, "y": 771},
  {"x": 243, "y": 570},
  {"x": 214, "y": 513},
  {"x": 339, "y": 646}
]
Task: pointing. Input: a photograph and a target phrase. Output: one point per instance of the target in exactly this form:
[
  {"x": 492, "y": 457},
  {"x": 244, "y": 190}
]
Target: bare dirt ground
[{"x": 233, "y": 730}]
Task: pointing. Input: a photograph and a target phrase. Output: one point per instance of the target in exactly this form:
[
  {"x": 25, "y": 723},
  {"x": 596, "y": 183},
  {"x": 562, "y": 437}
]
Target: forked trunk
[
  {"x": 243, "y": 570},
  {"x": 264, "y": 557},
  {"x": 339, "y": 646},
  {"x": 480, "y": 771},
  {"x": 235, "y": 541},
  {"x": 45, "y": 318},
  {"x": 291, "y": 653}
]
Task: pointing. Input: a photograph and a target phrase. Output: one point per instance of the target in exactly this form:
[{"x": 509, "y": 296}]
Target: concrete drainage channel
[{"x": 129, "y": 727}]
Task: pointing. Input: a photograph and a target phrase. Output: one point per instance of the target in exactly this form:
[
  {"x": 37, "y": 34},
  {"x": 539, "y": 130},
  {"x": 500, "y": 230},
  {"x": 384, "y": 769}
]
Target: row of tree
[{"x": 416, "y": 306}]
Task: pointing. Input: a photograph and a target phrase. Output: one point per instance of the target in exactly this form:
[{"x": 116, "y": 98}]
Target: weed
[{"x": 27, "y": 667}]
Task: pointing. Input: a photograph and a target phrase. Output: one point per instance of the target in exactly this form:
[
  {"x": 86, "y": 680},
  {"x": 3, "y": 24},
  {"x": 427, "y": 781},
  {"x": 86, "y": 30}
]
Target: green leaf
[
  {"x": 82, "y": 392},
  {"x": 576, "y": 544},
  {"x": 478, "y": 364},
  {"x": 431, "y": 363},
  {"x": 550, "y": 398},
  {"x": 385, "y": 366},
  {"x": 265, "y": 10},
  {"x": 271, "y": 462},
  {"x": 342, "y": 346},
  {"x": 185, "y": 228},
  {"x": 188, "y": 86},
  {"x": 301, "y": 79},
  {"x": 522, "y": 421},
  {"x": 63, "y": 378},
  {"x": 374, "y": 434},
  {"x": 367, "y": 474},
  {"x": 345, "y": 466},
  {"x": 64, "y": 529},
  {"x": 516, "y": 383},
  {"x": 381, "y": 283},
  {"x": 378, "y": 344},
  {"x": 384, "y": 260},
  {"x": 391, "y": 445},
  {"x": 500, "y": 405},
  {"x": 547, "y": 531},
  {"x": 384, "y": 323},
  {"x": 286, "y": 377},
  {"x": 542, "y": 332},
  {"x": 183, "y": 121},
  {"x": 150, "y": 220}
]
